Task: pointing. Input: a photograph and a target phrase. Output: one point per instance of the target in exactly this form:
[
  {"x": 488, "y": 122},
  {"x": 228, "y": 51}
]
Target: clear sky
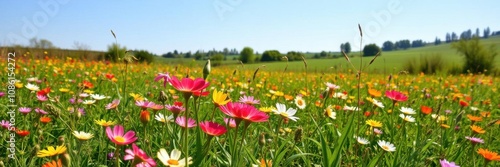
[{"x": 284, "y": 25}]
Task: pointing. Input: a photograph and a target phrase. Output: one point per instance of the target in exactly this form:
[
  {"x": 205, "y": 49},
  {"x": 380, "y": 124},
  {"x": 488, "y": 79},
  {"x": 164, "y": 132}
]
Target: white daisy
[
  {"x": 173, "y": 158},
  {"x": 330, "y": 113},
  {"x": 81, "y": 135},
  {"x": 97, "y": 96},
  {"x": 84, "y": 95},
  {"x": 377, "y": 103},
  {"x": 162, "y": 118},
  {"x": 32, "y": 87},
  {"x": 407, "y": 111},
  {"x": 407, "y": 118},
  {"x": 300, "y": 102},
  {"x": 281, "y": 110},
  {"x": 89, "y": 102},
  {"x": 351, "y": 108},
  {"x": 386, "y": 146},
  {"x": 340, "y": 95},
  {"x": 362, "y": 141}
]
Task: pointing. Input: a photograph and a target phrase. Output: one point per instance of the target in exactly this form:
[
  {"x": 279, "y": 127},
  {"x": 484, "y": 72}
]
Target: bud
[
  {"x": 35, "y": 150},
  {"x": 298, "y": 135},
  {"x": 145, "y": 117},
  {"x": 262, "y": 139},
  {"x": 162, "y": 97},
  {"x": 60, "y": 140},
  {"x": 65, "y": 159},
  {"x": 206, "y": 69},
  {"x": 1, "y": 164},
  {"x": 52, "y": 110}
]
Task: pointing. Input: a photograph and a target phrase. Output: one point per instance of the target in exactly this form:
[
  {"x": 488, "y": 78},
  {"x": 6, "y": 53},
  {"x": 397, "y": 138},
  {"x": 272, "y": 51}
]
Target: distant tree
[
  {"x": 478, "y": 59},
  {"x": 198, "y": 55},
  {"x": 486, "y": 32},
  {"x": 437, "y": 41},
  {"x": 270, "y": 55},
  {"x": 143, "y": 56},
  {"x": 41, "y": 44},
  {"x": 388, "y": 46},
  {"x": 454, "y": 37},
  {"x": 115, "y": 51},
  {"x": 217, "y": 59},
  {"x": 403, "y": 44},
  {"x": 188, "y": 54},
  {"x": 247, "y": 55},
  {"x": 417, "y": 43},
  {"x": 168, "y": 55},
  {"x": 80, "y": 46},
  {"x": 347, "y": 47},
  {"x": 323, "y": 54},
  {"x": 371, "y": 50},
  {"x": 448, "y": 38},
  {"x": 342, "y": 47},
  {"x": 294, "y": 56},
  {"x": 477, "y": 34}
]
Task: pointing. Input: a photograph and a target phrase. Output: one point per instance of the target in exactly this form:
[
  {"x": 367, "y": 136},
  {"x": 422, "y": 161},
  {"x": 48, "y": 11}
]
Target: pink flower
[
  {"x": 396, "y": 96},
  {"x": 212, "y": 128},
  {"x": 475, "y": 140},
  {"x": 144, "y": 104},
  {"x": 188, "y": 85},
  {"x": 40, "y": 111},
  {"x": 181, "y": 121},
  {"x": 241, "y": 111},
  {"x": 231, "y": 122},
  {"x": 5, "y": 124},
  {"x": 42, "y": 98},
  {"x": 24, "y": 110},
  {"x": 175, "y": 109},
  {"x": 445, "y": 163},
  {"x": 249, "y": 100},
  {"x": 156, "y": 107},
  {"x": 113, "y": 104},
  {"x": 138, "y": 156},
  {"x": 165, "y": 77},
  {"x": 2, "y": 94},
  {"x": 117, "y": 137}
]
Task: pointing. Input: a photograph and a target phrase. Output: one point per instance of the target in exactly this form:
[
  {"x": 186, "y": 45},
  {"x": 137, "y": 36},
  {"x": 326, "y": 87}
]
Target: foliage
[
  {"x": 115, "y": 52},
  {"x": 270, "y": 55},
  {"x": 428, "y": 64},
  {"x": 478, "y": 58},
  {"x": 217, "y": 59},
  {"x": 371, "y": 50},
  {"x": 346, "y": 47},
  {"x": 247, "y": 55},
  {"x": 144, "y": 56}
]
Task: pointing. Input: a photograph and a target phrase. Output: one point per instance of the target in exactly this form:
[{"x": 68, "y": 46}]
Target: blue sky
[{"x": 284, "y": 25}]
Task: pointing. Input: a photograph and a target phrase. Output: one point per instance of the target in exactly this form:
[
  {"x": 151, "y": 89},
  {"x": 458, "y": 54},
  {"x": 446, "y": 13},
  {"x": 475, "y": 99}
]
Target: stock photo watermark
[
  {"x": 380, "y": 19},
  {"x": 11, "y": 96},
  {"x": 39, "y": 19},
  {"x": 224, "y": 6}
]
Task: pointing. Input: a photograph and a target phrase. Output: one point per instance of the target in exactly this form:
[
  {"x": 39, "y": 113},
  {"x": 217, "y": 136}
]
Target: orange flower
[
  {"x": 45, "y": 119},
  {"x": 145, "y": 116},
  {"x": 488, "y": 155},
  {"x": 57, "y": 163},
  {"x": 426, "y": 110},
  {"x": 485, "y": 114},
  {"x": 477, "y": 129},
  {"x": 22, "y": 133},
  {"x": 474, "y": 118},
  {"x": 374, "y": 93},
  {"x": 463, "y": 103},
  {"x": 288, "y": 97},
  {"x": 87, "y": 85}
]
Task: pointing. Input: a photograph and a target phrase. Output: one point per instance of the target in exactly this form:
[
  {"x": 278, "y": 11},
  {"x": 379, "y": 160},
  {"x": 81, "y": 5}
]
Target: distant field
[{"x": 389, "y": 62}]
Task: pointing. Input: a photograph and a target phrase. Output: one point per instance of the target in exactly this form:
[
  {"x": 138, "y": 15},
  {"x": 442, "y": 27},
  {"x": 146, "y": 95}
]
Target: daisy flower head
[
  {"x": 165, "y": 119},
  {"x": 117, "y": 136},
  {"x": 387, "y": 146},
  {"x": 88, "y": 102},
  {"x": 51, "y": 151},
  {"x": 243, "y": 112},
  {"x": 83, "y": 136},
  {"x": 181, "y": 121},
  {"x": 331, "y": 86},
  {"x": 220, "y": 98},
  {"x": 396, "y": 96},
  {"x": 24, "y": 110},
  {"x": 144, "y": 104},
  {"x": 97, "y": 96},
  {"x": 173, "y": 159},
  {"x": 300, "y": 102},
  {"x": 377, "y": 103},
  {"x": 362, "y": 141},
  {"x": 113, "y": 104},
  {"x": 288, "y": 114},
  {"x": 445, "y": 163},
  {"x": 372, "y": 123},
  {"x": 475, "y": 140},
  {"x": 54, "y": 163},
  {"x": 407, "y": 118},
  {"x": 32, "y": 87},
  {"x": 139, "y": 156},
  {"x": 42, "y": 98},
  {"x": 249, "y": 100},
  {"x": 5, "y": 124},
  {"x": 377, "y": 131},
  {"x": 330, "y": 113},
  {"x": 176, "y": 109},
  {"x": 477, "y": 129},
  {"x": 407, "y": 111},
  {"x": 212, "y": 128}
]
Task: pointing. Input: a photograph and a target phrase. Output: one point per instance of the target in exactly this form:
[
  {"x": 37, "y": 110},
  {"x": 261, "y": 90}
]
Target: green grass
[{"x": 388, "y": 62}]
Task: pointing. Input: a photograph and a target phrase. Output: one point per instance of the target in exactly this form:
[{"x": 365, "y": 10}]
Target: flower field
[{"x": 86, "y": 113}]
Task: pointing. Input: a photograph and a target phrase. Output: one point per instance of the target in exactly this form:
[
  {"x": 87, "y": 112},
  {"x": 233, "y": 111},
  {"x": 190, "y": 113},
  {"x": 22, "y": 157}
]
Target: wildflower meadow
[{"x": 68, "y": 112}]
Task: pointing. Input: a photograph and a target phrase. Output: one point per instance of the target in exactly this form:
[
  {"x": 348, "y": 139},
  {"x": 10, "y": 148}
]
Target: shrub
[{"x": 478, "y": 59}]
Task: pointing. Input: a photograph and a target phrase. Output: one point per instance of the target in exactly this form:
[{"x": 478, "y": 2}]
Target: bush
[
  {"x": 371, "y": 50},
  {"x": 247, "y": 55},
  {"x": 478, "y": 59},
  {"x": 428, "y": 64}
]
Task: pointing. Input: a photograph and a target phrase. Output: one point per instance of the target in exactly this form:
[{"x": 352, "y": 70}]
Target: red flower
[
  {"x": 43, "y": 92},
  {"x": 22, "y": 133},
  {"x": 45, "y": 119},
  {"x": 87, "y": 85},
  {"x": 212, "y": 128},
  {"x": 426, "y": 110},
  {"x": 463, "y": 103},
  {"x": 188, "y": 85},
  {"x": 367, "y": 113},
  {"x": 242, "y": 111},
  {"x": 145, "y": 116},
  {"x": 110, "y": 76},
  {"x": 201, "y": 94},
  {"x": 396, "y": 96}
]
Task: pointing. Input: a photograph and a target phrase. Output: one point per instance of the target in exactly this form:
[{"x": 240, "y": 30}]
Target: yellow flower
[
  {"x": 51, "y": 151},
  {"x": 137, "y": 97},
  {"x": 88, "y": 91},
  {"x": 220, "y": 98},
  {"x": 374, "y": 123},
  {"x": 266, "y": 109},
  {"x": 105, "y": 123},
  {"x": 18, "y": 85},
  {"x": 64, "y": 90}
]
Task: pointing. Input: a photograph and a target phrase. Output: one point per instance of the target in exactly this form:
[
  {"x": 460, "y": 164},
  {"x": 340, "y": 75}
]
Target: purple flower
[
  {"x": 181, "y": 121},
  {"x": 249, "y": 100},
  {"x": 475, "y": 140},
  {"x": 2, "y": 94},
  {"x": 40, "y": 111},
  {"x": 445, "y": 163},
  {"x": 24, "y": 110},
  {"x": 5, "y": 124}
]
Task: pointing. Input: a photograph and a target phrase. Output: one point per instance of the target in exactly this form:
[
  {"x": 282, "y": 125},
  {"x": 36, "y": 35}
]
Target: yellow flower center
[
  {"x": 385, "y": 147},
  {"x": 284, "y": 114},
  {"x": 300, "y": 102},
  {"x": 119, "y": 139},
  {"x": 173, "y": 162}
]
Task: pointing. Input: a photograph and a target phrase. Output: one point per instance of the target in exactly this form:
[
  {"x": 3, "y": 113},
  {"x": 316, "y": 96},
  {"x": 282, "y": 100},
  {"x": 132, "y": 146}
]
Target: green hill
[{"x": 388, "y": 62}]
